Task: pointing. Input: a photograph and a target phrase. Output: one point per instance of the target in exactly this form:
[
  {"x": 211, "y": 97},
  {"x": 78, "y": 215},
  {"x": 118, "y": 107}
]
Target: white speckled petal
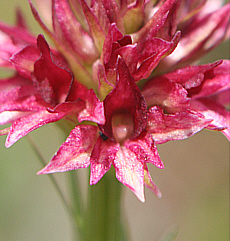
[
  {"x": 130, "y": 171},
  {"x": 75, "y": 152}
]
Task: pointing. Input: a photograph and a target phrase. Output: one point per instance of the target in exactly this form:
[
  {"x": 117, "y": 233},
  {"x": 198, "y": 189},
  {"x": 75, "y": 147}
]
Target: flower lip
[
  {"x": 122, "y": 125},
  {"x": 125, "y": 98}
]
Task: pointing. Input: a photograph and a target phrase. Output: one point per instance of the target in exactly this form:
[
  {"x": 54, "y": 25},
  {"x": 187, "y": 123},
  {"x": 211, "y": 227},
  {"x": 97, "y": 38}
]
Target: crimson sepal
[
  {"x": 151, "y": 29},
  {"x": 151, "y": 54},
  {"x": 130, "y": 171},
  {"x": 19, "y": 36},
  {"x": 75, "y": 152},
  {"x": 149, "y": 182},
  {"x": 178, "y": 126},
  {"x": 94, "y": 109},
  {"x": 194, "y": 43},
  {"x": 191, "y": 76},
  {"x": 103, "y": 155},
  {"x": 107, "y": 12},
  {"x": 215, "y": 80},
  {"x": 140, "y": 62},
  {"x": 24, "y": 60},
  {"x": 216, "y": 112},
  {"x": 211, "y": 97},
  {"x": 126, "y": 97},
  {"x": 51, "y": 81},
  {"x": 22, "y": 126},
  {"x": 18, "y": 94},
  {"x": 145, "y": 149},
  {"x": 171, "y": 96},
  {"x": 70, "y": 32}
]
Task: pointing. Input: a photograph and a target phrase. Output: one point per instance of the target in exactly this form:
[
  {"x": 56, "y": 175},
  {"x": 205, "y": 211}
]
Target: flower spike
[{"x": 124, "y": 73}]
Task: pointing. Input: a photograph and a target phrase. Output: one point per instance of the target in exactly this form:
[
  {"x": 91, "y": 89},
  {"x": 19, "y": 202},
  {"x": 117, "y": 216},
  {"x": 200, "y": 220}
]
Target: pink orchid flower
[{"x": 125, "y": 67}]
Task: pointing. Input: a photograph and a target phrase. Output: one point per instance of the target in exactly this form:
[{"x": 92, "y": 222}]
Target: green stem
[
  {"x": 103, "y": 217},
  {"x": 77, "y": 204}
]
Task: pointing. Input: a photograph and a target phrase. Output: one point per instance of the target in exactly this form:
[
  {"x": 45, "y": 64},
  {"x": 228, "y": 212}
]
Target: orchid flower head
[{"x": 124, "y": 73}]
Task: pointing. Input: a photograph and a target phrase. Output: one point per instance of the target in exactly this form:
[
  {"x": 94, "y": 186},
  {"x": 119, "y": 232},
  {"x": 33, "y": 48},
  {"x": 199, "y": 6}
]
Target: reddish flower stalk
[{"x": 125, "y": 67}]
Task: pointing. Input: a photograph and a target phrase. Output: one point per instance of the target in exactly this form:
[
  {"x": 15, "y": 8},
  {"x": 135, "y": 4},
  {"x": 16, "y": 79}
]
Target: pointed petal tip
[
  {"x": 138, "y": 192},
  {"x": 160, "y": 165},
  {"x": 158, "y": 193},
  {"x": 93, "y": 181},
  {"x": 8, "y": 145},
  {"x": 141, "y": 198},
  {"x": 39, "y": 173},
  {"x": 44, "y": 171},
  {"x": 9, "y": 142}
]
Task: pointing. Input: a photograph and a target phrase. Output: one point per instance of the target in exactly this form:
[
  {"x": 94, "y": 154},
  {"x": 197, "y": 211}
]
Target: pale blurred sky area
[{"x": 194, "y": 183}]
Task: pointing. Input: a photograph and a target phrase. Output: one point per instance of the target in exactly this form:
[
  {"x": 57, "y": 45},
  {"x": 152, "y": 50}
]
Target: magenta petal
[
  {"x": 150, "y": 56},
  {"x": 170, "y": 25},
  {"x": 18, "y": 94},
  {"x": 145, "y": 149},
  {"x": 75, "y": 101},
  {"x": 130, "y": 171},
  {"x": 215, "y": 111},
  {"x": 75, "y": 152},
  {"x": 191, "y": 76},
  {"x": 103, "y": 155},
  {"x": 19, "y": 35},
  {"x": 194, "y": 43},
  {"x": 94, "y": 110},
  {"x": 20, "y": 19},
  {"x": 113, "y": 13},
  {"x": 9, "y": 84},
  {"x": 130, "y": 55},
  {"x": 155, "y": 24},
  {"x": 215, "y": 81},
  {"x": 8, "y": 117},
  {"x": 7, "y": 46},
  {"x": 70, "y": 32},
  {"x": 52, "y": 82},
  {"x": 167, "y": 127},
  {"x": 69, "y": 107},
  {"x": 29, "y": 103},
  {"x": 97, "y": 31},
  {"x": 107, "y": 12},
  {"x": 76, "y": 91},
  {"x": 25, "y": 59},
  {"x": 149, "y": 182},
  {"x": 113, "y": 35},
  {"x": 165, "y": 93},
  {"x": 102, "y": 78},
  {"x": 223, "y": 97},
  {"x": 26, "y": 124}
]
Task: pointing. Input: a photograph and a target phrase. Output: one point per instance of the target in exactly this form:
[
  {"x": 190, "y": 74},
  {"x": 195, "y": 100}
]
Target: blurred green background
[{"x": 194, "y": 183}]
